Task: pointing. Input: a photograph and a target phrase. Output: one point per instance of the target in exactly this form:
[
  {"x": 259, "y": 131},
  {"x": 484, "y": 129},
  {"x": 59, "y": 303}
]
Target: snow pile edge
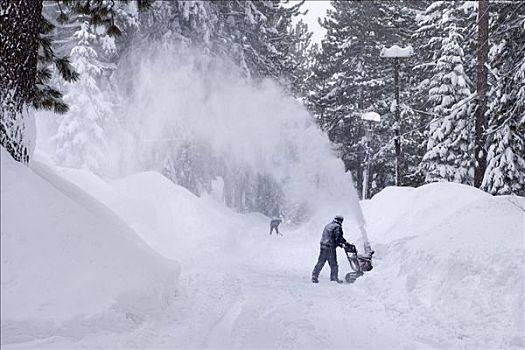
[{"x": 69, "y": 265}]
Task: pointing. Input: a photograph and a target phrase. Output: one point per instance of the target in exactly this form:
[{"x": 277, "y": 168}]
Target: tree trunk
[
  {"x": 19, "y": 31},
  {"x": 481, "y": 87}
]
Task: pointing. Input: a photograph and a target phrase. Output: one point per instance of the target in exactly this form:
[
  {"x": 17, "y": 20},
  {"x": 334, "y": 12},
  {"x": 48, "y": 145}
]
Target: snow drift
[
  {"x": 69, "y": 265},
  {"x": 450, "y": 264}
]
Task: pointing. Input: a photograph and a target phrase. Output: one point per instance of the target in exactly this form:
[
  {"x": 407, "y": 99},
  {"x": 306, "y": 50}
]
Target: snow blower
[{"x": 358, "y": 263}]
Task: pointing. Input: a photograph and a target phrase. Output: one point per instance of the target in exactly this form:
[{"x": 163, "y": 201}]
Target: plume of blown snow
[{"x": 170, "y": 95}]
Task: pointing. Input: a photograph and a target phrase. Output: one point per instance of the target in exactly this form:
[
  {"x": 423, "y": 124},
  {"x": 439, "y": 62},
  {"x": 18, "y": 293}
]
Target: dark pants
[
  {"x": 274, "y": 227},
  {"x": 327, "y": 254}
]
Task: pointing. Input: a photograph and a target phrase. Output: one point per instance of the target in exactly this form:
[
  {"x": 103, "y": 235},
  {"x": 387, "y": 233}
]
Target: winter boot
[
  {"x": 336, "y": 280},
  {"x": 315, "y": 279}
]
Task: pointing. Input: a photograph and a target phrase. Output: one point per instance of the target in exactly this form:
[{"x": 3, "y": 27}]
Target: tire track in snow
[{"x": 221, "y": 334}]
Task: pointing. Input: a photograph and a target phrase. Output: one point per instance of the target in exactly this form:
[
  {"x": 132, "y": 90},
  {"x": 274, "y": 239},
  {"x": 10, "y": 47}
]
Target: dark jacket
[
  {"x": 275, "y": 222},
  {"x": 332, "y": 235}
]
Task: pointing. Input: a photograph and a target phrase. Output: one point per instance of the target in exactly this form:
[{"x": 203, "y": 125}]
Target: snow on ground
[
  {"x": 68, "y": 265},
  {"x": 448, "y": 273}
]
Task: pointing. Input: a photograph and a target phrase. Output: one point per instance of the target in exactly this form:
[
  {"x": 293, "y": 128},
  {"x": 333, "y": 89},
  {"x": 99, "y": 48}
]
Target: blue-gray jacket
[{"x": 332, "y": 235}]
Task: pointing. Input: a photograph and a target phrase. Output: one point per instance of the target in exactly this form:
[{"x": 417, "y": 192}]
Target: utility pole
[
  {"x": 397, "y": 127},
  {"x": 396, "y": 53},
  {"x": 366, "y": 171},
  {"x": 481, "y": 89},
  {"x": 369, "y": 118}
]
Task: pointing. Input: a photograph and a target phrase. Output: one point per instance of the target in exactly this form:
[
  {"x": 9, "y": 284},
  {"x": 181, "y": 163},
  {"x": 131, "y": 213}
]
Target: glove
[{"x": 350, "y": 247}]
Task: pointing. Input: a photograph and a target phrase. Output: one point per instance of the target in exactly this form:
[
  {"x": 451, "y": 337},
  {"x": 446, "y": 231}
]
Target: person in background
[
  {"x": 274, "y": 224},
  {"x": 331, "y": 239}
]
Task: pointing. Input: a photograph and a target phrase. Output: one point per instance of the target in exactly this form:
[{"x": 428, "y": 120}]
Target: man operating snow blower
[{"x": 331, "y": 239}]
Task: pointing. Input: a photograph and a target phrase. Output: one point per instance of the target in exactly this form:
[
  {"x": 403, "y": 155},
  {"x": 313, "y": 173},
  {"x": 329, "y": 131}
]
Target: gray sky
[{"x": 316, "y": 9}]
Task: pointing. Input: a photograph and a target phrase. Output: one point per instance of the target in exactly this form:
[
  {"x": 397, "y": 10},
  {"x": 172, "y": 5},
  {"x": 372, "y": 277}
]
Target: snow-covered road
[
  {"x": 235, "y": 305},
  {"x": 244, "y": 307}
]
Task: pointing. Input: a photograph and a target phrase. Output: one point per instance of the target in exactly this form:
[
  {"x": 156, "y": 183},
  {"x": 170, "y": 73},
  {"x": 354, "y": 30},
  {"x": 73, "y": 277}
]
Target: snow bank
[
  {"x": 69, "y": 265},
  {"x": 171, "y": 219},
  {"x": 450, "y": 264}
]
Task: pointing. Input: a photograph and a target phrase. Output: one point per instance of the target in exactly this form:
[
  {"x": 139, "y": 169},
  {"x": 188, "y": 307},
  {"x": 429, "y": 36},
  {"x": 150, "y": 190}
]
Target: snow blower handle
[{"x": 349, "y": 248}]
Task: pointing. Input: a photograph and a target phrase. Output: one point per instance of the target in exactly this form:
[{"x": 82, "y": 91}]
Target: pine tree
[
  {"x": 183, "y": 22},
  {"x": 339, "y": 70},
  {"x": 19, "y": 33},
  {"x": 254, "y": 34},
  {"x": 102, "y": 53},
  {"x": 192, "y": 165},
  {"x": 300, "y": 59},
  {"x": 505, "y": 173},
  {"x": 25, "y": 73},
  {"x": 449, "y": 148},
  {"x": 81, "y": 140}
]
